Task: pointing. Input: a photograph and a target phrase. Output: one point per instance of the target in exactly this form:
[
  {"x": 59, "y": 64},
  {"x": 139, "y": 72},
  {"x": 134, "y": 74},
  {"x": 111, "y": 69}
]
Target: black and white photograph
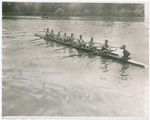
[{"x": 75, "y": 59}]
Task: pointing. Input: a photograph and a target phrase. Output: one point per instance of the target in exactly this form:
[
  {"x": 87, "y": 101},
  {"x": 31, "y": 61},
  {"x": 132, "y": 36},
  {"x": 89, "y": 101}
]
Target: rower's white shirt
[
  {"x": 52, "y": 34},
  {"x": 81, "y": 41},
  {"x": 58, "y": 36},
  {"x": 47, "y": 33},
  {"x": 72, "y": 38},
  {"x": 65, "y": 37},
  {"x": 91, "y": 44}
]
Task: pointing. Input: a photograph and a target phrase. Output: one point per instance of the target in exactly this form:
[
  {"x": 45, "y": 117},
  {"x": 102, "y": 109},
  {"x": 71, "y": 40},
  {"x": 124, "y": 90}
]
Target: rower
[
  {"x": 125, "y": 53},
  {"x": 58, "y": 36},
  {"x": 92, "y": 45},
  {"x": 71, "y": 39},
  {"x": 105, "y": 47},
  {"x": 52, "y": 35},
  {"x": 65, "y": 38},
  {"x": 47, "y": 33},
  {"x": 81, "y": 42}
]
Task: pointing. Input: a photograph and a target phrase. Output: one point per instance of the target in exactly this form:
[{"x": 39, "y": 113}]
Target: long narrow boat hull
[{"x": 112, "y": 56}]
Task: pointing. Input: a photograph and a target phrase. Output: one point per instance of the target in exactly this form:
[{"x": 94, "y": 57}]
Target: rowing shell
[{"x": 100, "y": 53}]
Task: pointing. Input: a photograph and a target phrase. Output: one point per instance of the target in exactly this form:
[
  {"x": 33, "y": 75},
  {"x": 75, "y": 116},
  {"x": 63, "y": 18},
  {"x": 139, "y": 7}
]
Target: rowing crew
[{"x": 80, "y": 43}]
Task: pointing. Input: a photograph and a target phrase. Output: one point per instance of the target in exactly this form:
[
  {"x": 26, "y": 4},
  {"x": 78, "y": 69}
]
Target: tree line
[{"x": 73, "y": 8}]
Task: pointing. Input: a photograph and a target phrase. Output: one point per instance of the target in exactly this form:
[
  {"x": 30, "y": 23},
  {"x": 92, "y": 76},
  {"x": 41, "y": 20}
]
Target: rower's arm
[{"x": 129, "y": 53}]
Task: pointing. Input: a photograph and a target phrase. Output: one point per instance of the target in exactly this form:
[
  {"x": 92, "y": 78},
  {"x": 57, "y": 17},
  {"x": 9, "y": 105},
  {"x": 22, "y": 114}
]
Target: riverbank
[
  {"x": 72, "y": 14},
  {"x": 82, "y": 18},
  {"x": 20, "y": 17}
]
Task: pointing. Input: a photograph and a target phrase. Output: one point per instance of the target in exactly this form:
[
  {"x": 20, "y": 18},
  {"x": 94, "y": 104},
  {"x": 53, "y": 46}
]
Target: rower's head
[
  {"x": 58, "y": 33},
  {"x": 80, "y": 36},
  {"x": 71, "y": 34},
  {"x": 47, "y": 29},
  {"x": 91, "y": 39},
  {"x": 51, "y": 31},
  {"x": 123, "y": 47},
  {"x": 64, "y": 34},
  {"x": 106, "y": 41}
]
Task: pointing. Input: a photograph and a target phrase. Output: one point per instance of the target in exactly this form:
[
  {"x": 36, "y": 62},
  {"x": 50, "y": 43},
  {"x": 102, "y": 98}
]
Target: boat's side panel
[{"x": 83, "y": 49}]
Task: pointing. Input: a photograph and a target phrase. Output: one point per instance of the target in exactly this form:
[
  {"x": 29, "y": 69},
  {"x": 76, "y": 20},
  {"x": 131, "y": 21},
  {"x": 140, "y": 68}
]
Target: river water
[{"x": 39, "y": 82}]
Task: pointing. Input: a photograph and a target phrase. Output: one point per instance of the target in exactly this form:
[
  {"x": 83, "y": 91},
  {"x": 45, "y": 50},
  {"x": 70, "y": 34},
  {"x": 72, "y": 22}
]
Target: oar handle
[{"x": 36, "y": 39}]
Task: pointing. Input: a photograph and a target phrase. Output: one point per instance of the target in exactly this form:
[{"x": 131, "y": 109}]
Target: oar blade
[
  {"x": 36, "y": 39},
  {"x": 40, "y": 44},
  {"x": 80, "y": 54},
  {"x": 59, "y": 49}
]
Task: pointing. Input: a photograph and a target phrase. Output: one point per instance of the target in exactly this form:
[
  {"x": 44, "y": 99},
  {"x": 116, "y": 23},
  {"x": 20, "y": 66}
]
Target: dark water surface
[{"x": 39, "y": 82}]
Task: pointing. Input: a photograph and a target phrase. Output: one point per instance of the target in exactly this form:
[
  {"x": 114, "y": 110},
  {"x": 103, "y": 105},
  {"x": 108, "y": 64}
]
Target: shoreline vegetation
[
  {"x": 70, "y": 14},
  {"x": 71, "y": 9}
]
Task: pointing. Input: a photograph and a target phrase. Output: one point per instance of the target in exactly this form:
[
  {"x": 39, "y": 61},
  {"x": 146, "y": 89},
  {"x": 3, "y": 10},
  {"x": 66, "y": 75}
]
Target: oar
[
  {"x": 114, "y": 47},
  {"x": 36, "y": 39},
  {"x": 59, "y": 49},
  {"x": 73, "y": 55},
  {"x": 80, "y": 54},
  {"x": 36, "y": 34},
  {"x": 92, "y": 52}
]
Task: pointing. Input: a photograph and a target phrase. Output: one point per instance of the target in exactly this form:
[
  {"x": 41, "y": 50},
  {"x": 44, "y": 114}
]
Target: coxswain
[
  {"x": 71, "y": 39},
  {"x": 81, "y": 42},
  {"x": 105, "y": 47},
  {"x": 126, "y": 53},
  {"x": 91, "y": 45},
  {"x": 65, "y": 38},
  {"x": 47, "y": 33},
  {"x": 58, "y": 36},
  {"x": 52, "y": 35}
]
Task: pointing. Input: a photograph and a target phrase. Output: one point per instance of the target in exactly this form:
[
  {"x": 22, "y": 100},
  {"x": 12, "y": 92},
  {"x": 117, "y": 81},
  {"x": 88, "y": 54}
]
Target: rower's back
[
  {"x": 71, "y": 39},
  {"x": 47, "y": 33},
  {"x": 65, "y": 38},
  {"x": 52, "y": 35},
  {"x": 91, "y": 43},
  {"x": 81, "y": 41},
  {"x": 58, "y": 36},
  {"x": 105, "y": 46}
]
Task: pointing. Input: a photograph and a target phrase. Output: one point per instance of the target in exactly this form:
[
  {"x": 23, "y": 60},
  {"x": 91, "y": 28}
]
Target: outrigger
[{"x": 100, "y": 53}]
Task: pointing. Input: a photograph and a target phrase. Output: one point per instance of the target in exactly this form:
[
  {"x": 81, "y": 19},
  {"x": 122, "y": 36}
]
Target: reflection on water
[
  {"x": 124, "y": 75},
  {"x": 52, "y": 44},
  {"x": 97, "y": 18},
  {"x": 44, "y": 82},
  {"x": 78, "y": 18},
  {"x": 71, "y": 51},
  {"x": 124, "y": 67},
  {"x": 105, "y": 64}
]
